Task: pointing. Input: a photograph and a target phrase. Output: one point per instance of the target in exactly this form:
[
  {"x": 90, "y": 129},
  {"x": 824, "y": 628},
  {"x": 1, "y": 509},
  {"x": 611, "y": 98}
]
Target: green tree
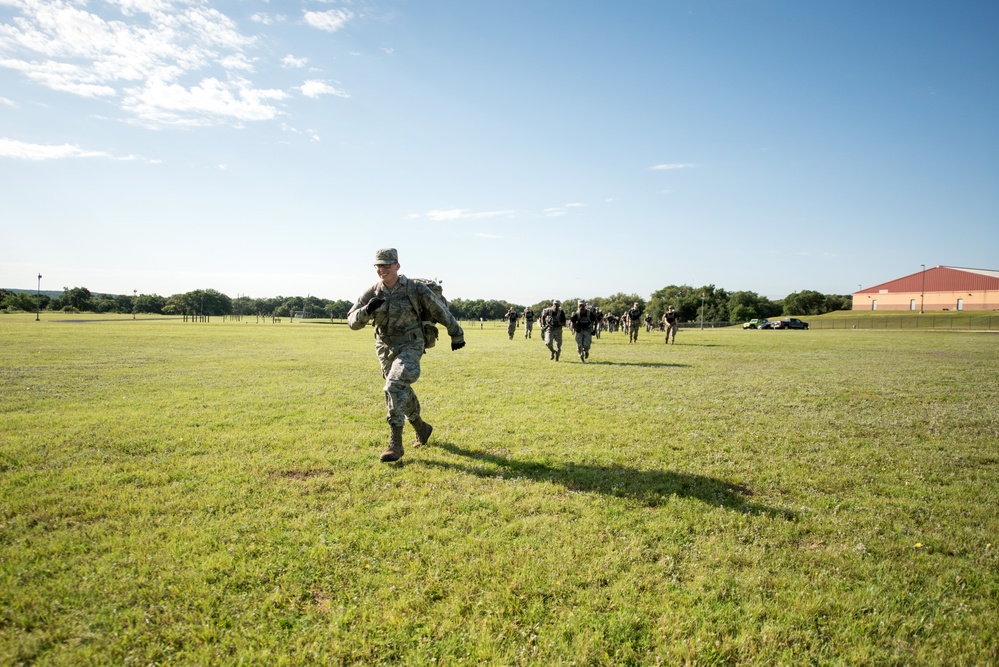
[
  {"x": 199, "y": 302},
  {"x": 838, "y": 302},
  {"x": 805, "y": 302},
  {"x": 339, "y": 309},
  {"x": 744, "y": 306},
  {"x": 741, "y": 313},
  {"x": 26, "y": 301},
  {"x": 78, "y": 298},
  {"x": 618, "y": 303},
  {"x": 149, "y": 303},
  {"x": 684, "y": 299}
]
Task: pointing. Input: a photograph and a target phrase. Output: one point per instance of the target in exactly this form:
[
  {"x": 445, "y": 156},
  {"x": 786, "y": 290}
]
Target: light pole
[
  {"x": 702, "y": 311},
  {"x": 38, "y": 298},
  {"x": 922, "y": 289},
  {"x": 134, "y": 295}
]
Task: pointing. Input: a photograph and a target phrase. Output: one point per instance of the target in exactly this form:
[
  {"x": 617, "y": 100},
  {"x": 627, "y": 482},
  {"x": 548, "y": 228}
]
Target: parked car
[
  {"x": 789, "y": 323},
  {"x": 756, "y": 324},
  {"x": 768, "y": 325}
]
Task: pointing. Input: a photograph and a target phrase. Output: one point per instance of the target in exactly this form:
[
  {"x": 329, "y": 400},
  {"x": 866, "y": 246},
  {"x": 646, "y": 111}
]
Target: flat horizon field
[{"x": 210, "y": 494}]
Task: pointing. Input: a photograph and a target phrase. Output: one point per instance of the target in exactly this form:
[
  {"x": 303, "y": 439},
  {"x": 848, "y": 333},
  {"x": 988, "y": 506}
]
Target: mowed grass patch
[{"x": 211, "y": 494}]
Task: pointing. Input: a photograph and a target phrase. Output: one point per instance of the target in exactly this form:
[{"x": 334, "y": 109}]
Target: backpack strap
[{"x": 414, "y": 298}]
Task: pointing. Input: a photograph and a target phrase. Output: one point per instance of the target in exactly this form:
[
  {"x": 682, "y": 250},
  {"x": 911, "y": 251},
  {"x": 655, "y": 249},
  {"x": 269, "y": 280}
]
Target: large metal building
[{"x": 939, "y": 288}]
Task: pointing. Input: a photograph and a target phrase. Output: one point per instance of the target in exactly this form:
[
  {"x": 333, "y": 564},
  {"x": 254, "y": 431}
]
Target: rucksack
[{"x": 430, "y": 331}]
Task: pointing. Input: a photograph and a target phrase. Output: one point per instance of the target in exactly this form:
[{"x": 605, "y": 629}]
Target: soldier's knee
[{"x": 396, "y": 387}]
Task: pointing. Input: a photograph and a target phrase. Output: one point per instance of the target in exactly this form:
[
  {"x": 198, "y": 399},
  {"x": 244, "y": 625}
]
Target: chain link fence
[{"x": 973, "y": 322}]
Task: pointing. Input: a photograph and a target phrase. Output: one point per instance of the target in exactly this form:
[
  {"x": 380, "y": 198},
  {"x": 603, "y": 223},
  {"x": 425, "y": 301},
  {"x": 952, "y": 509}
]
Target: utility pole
[
  {"x": 922, "y": 289},
  {"x": 38, "y": 298}
]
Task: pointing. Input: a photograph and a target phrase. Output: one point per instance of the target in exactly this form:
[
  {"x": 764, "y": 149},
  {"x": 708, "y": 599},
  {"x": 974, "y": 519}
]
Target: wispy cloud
[
  {"x": 291, "y": 61},
  {"x": 445, "y": 215},
  {"x": 203, "y": 104},
  {"x": 668, "y": 167},
  {"x": 557, "y": 211},
  {"x": 21, "y": 150},
  {"x": 165, "y": 61},
  {"x": 315, "y": 88},
  {"x": 329, "y": 21},
  {"x": 266, "y": 19}
]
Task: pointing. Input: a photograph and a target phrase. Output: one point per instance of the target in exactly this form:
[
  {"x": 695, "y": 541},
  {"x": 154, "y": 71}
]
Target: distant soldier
[
  {"x": 582, "y": 323},
  {"x": 511, "y": 321},
  {"x": 393, "y": 306},
  {"x": 634, "y": 319},
  {"x": 552, "y": 321},
  {"x": 528, "y": 322},
  {"x": 670, "y": 323}
]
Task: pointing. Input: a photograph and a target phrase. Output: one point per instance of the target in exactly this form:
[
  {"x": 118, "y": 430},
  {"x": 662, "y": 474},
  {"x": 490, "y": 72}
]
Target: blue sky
[{"x": 516, "y": 150}]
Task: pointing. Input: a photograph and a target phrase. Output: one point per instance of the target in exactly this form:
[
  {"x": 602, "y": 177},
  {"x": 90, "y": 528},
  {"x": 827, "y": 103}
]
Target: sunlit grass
[{"x": 211, "y": 494}]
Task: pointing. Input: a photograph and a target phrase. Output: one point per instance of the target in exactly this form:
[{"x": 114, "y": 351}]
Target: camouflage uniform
[
  {"x": 670, "y": 321},
  {"x": 552, "y": 321},
  {"x": 582, "y": 325},
  {"x": 528, "y": 322},
  {"x": 634, "y": 317},
  {"x": 399, "y": 343},
  {"x": 511, "y": 322}
]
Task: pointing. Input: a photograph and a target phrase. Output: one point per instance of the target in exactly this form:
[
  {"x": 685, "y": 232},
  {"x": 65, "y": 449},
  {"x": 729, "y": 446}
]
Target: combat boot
[
  {"x": 394, "y": 451},
  {"x": 423, "y": 431}
]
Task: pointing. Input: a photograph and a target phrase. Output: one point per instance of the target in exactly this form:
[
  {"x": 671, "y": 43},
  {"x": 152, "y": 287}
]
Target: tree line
[{"x": 693, "y": 304}]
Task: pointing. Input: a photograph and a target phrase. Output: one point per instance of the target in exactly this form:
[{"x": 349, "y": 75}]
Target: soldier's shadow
[
  {"x": 642, "y": 364},
  {"x": 651, "y": 487}
]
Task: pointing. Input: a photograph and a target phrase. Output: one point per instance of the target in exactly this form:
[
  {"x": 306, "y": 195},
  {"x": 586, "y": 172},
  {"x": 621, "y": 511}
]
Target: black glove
[
  {"x": 373, "y": 305},
  {"x": 457, "y": 343}
]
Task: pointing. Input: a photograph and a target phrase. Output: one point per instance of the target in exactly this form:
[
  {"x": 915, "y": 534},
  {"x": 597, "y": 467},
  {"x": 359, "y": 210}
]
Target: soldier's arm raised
[{"x": 358, "y": 316}]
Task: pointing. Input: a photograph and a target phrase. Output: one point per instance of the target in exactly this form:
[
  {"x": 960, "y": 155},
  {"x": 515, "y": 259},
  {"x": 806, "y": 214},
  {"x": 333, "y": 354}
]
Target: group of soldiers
[
  {"x": 586, "y": 323},
  {"x": 404, "y": 314}
]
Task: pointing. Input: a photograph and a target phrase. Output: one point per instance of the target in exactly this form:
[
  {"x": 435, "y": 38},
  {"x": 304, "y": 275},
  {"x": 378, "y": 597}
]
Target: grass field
[{"x": 210, "y": 494}]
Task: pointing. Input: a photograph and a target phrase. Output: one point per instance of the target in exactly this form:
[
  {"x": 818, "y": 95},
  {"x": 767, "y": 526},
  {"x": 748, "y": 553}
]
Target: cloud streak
[
  {"x": 670, "y": 167},
  {"x": 315, "y": 89},
  {"x": 450, "y": 214},
  {"x": 21, "y": 150},
  {"x": 328, "y": 21},
  {"x": 165, "y": 62}
]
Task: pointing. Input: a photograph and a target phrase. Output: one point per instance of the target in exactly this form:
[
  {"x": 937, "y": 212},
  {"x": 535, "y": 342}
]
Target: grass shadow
[
  {"x": 643, "y": 364},
  {"x": 652, "y": 487},
  {"x": 686, "y": 344}
]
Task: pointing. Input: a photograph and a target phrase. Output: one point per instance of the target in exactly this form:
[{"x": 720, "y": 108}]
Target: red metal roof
[{"x": 939, "y": 279}]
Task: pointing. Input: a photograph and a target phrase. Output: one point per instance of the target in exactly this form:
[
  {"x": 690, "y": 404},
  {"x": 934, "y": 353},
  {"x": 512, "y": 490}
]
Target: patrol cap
[
  {"x": 556, "y": 302},
  {"x": 581, "y": 303},
  {"x": 386, "y": 256}
]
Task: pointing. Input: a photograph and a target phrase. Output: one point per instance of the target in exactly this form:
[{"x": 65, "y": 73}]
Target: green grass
[{"x": 198, "y": 494}]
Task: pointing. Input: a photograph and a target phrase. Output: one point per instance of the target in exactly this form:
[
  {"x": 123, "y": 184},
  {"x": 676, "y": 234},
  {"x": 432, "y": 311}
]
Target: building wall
[{"x": 974, "y": 300}]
